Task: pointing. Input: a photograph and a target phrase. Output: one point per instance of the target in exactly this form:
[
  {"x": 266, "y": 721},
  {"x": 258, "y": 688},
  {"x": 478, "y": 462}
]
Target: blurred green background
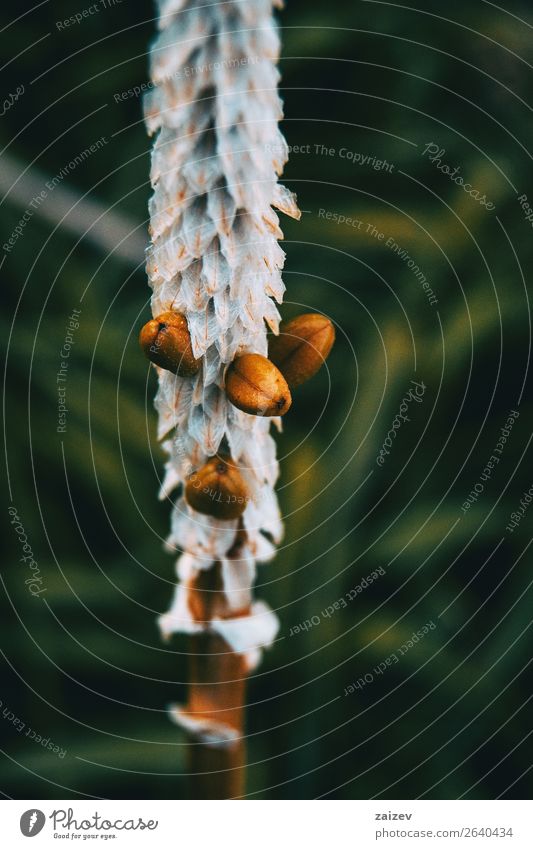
[{"x": 82, "y": 663}]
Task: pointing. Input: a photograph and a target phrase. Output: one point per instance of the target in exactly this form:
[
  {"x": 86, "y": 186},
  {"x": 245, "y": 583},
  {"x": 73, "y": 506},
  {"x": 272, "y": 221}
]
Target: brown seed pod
[
  {"x": 302, "y": 347},
  {"x": 166, "y": 341},
  {"x": 217, "y": 489},
  {"x": 256, "y": 386}
]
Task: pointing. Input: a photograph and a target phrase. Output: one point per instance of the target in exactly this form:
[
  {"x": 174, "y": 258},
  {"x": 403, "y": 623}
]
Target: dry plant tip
[
  {"x": 302, "y": 347},
  {"x": 218, "y": 489},
  {"x": 166, "y": 341},
  {"x": 256, "y": 386}
]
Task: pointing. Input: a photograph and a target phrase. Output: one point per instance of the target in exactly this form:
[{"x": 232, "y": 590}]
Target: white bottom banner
[{"x": 264, "y": 825}]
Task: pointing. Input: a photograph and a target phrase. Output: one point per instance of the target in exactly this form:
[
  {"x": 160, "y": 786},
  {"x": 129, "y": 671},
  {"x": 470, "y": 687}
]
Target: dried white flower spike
[{"x": 214, "y": 258}]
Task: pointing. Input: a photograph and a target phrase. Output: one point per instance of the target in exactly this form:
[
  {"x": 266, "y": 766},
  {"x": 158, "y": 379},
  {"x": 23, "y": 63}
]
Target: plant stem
[{"x": 217, "y": 692}]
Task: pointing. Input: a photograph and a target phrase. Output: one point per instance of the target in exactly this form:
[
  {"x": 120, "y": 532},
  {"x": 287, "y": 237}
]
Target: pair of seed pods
[{"x": 260, "y": 386}]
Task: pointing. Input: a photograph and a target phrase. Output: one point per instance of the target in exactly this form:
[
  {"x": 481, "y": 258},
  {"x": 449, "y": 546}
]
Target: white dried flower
[{"x": 214, "y": 257}]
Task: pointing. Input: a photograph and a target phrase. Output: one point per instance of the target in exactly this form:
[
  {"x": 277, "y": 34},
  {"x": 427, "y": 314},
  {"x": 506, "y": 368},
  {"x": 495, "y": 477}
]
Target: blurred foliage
[{"x": 86, "y": 667}]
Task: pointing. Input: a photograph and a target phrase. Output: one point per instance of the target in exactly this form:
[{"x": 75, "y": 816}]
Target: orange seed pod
[
  {"x": 166, "y": 341},
  {"x": 302, "y": 347},
  {"x": 217, "y": 489},
  {"x": 256, "y": 386}
]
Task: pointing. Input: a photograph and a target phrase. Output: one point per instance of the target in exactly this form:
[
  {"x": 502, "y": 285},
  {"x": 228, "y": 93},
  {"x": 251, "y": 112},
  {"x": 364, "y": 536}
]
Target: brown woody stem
[{"x": 217, "y": 692}]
